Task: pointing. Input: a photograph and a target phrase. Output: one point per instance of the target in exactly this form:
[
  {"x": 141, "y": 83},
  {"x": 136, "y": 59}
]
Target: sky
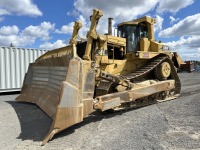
[{"x": 49, "y": 24}]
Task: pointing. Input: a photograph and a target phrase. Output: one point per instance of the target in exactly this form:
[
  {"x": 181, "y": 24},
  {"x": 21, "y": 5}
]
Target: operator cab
[{"x": 133, "y": 33}]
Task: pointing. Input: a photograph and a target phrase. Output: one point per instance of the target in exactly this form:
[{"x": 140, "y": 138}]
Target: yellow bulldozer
[{"x": 103, "y": 72}]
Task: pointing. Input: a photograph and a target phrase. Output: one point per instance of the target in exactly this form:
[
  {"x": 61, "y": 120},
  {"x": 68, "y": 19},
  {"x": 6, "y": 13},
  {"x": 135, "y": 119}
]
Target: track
[
  {"x": 105, "y": 85},
  {"x": 150, "y": 66}
]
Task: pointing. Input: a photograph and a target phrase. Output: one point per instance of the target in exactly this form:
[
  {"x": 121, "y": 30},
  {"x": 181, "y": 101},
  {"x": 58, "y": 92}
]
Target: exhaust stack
[{"x": 110, "y": 26}]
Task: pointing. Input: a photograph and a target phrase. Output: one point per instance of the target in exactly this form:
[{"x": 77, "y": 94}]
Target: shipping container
[{"x": 14, "y": 63}]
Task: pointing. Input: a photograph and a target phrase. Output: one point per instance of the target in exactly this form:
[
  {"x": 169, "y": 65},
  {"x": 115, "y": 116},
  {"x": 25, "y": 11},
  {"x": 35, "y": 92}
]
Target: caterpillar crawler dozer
[{"x": 103, "y": 72}]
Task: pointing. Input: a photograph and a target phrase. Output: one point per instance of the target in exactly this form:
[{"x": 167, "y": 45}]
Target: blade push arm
[
  {"x": 77, "y": 26},
  {"x": 92, "y": 34}
]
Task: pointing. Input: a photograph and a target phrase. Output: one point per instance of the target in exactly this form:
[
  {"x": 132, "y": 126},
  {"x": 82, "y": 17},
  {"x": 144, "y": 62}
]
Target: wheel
[{"x": 163, "y": 71}]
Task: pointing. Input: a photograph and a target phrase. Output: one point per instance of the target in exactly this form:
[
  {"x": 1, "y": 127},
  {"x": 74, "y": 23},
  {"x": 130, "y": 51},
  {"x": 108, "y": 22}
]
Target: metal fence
[{"x": 13, "y": 66}]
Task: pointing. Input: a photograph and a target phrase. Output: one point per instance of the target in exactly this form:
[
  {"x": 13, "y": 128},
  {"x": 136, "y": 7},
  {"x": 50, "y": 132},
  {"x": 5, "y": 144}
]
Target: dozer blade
[{"x": 62, "y": 85}]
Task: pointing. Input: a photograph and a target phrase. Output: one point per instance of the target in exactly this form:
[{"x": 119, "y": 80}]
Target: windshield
[
  {"x": 133, "y": 34},
  {"x": 129, "y": 33}
]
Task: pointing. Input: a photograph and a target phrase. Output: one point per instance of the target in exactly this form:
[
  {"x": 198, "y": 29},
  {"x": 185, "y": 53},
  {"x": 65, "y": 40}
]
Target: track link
[{"x": 149, "y": 66}]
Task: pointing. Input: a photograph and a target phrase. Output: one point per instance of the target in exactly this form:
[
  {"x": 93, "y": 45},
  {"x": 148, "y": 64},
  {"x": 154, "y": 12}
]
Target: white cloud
[
  {"x": 16, "y": 40},
  {"x": 9, "y": 30},
  {"x": 19, "y": 7},
  {"x": 173, "y": 6},
  {"x": 68, "y": 29},
  {"x": 198, "y": 50},
  {"x": 4, "y": 12},
  {"x": 159, "y": 22},
  {"x": 188, "y": 26},
  {"x": 189, "y": 42},
  {"x": 41, "y": 31},
  {"x": 10, "y": 34},
  {"x": 57, "y": 44},
  {"x": 172, "y": 19},
  {"x": 119, "y": 10},
  {"x": 74, "y": 13},
  {"x": 187, "y": 47},
  {"x": 26, "y": 37},
  {"x": 127, "y": 11},
  {"x": 191, "y": 56}
]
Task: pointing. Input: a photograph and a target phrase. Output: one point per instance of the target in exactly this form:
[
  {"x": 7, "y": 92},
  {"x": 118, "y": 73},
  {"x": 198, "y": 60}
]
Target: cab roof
[{"x": 144, "y": 19}]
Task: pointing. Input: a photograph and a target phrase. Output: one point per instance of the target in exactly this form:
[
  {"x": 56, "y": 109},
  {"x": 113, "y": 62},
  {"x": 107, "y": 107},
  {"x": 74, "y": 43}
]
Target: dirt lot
[{"x": 170, "y": 125}]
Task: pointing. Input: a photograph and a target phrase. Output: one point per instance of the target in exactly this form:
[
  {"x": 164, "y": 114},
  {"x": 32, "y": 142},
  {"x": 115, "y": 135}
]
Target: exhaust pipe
[{"x": 110, "y": 26}]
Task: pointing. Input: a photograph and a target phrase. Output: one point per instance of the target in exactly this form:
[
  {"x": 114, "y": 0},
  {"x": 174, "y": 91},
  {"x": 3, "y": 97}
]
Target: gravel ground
[{"x": 173, "y": 125}]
